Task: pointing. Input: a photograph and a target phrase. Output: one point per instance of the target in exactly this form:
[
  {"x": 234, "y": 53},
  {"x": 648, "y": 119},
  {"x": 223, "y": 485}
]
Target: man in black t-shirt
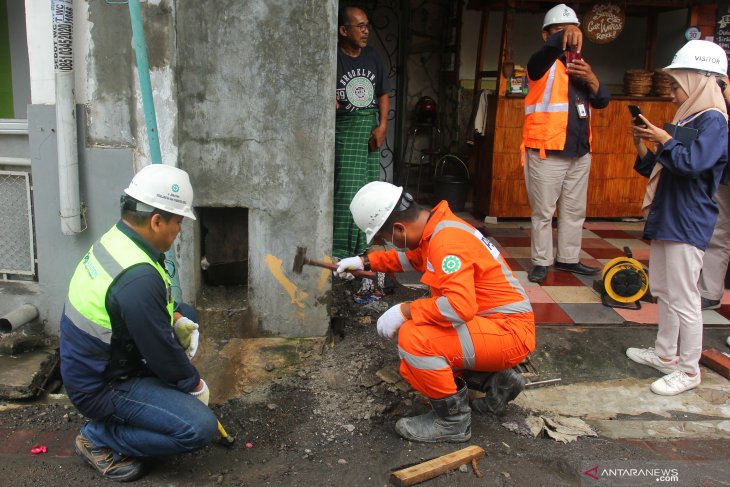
[{"x": 362, "y": 119}]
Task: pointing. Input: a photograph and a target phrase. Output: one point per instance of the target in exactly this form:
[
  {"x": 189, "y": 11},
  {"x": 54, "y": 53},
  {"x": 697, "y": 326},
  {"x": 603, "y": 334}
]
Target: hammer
[{"x": 301, "y": 259}]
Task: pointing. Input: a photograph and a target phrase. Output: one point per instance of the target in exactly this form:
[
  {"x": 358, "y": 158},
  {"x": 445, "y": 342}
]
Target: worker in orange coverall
[{"x": 478, "y": 318}]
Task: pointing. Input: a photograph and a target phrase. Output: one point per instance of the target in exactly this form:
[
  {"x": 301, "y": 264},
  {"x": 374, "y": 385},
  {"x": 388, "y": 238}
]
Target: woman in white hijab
[{"x": 684, "y": 174}]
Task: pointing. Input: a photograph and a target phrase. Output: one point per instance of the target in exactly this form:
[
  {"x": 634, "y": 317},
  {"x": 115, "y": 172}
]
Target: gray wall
[
  {"x": 256, "y": 130},
  {"x": 103, "y": 174}
]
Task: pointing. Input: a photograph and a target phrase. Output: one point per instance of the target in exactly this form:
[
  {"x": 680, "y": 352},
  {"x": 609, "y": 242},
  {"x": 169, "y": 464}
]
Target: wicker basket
[
  {"x": 661, "y": 83},
  {"x": 637, "y": 82}
]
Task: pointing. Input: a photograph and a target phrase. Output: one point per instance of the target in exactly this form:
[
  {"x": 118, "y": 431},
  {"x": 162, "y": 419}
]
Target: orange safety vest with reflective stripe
[{"x": 546, "y": 112}]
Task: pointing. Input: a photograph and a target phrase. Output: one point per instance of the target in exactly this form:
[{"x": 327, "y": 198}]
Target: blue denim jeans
[{"x": 153, "y": 419}]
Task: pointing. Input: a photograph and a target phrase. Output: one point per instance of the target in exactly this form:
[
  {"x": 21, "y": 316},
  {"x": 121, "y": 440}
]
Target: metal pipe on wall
[
  {"x": 67, "y": 149},
  {"x": 20, "y": 316},
  {"x": 145, "y": 86}
]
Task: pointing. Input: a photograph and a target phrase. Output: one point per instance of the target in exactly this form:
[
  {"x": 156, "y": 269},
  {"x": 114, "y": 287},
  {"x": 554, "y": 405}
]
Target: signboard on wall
[
  {"x": 722, "y": 26},
  {"x": 604, "y": 22}
]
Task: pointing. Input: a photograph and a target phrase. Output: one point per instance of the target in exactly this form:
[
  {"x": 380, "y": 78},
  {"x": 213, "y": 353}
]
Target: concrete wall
[
  {"x": 256, "y": 130},
  {"x": 243, "y": 94}
]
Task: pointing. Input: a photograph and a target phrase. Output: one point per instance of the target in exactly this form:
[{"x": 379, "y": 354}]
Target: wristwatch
[{"x": 365, "y": 262}]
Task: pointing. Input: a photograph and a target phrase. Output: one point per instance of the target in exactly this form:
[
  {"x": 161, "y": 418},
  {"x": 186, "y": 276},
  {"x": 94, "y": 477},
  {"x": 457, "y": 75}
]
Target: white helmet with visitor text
[
  {"x": 372, "y": 206},
  {"x": 700, "y": 55},
  {"x": 560, "y": 14},
  {"x": 163, "y": 187}
]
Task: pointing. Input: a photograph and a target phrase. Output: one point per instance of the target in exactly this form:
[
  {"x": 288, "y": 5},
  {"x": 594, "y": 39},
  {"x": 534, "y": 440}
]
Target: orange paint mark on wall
[
  {"x": 296, "y": 295},
  {"x": 324, "y": 276}
]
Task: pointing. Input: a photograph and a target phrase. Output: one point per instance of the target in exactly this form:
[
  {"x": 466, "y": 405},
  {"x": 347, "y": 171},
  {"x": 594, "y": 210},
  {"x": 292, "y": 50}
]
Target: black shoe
[
  {"x": 502, "y": 387},
  {"x": 710, "y": 303},
  {"x": 538, "y": 273},
  {"x": 109, "y": 466},
  {"x": 577, "y": 268}
]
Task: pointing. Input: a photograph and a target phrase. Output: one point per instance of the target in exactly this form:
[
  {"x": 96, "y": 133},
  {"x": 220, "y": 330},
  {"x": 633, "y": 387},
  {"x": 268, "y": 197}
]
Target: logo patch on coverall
[{"x": 450, "y": 264}]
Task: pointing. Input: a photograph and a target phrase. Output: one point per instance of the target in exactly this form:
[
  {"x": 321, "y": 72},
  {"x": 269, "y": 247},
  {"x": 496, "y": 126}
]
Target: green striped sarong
[{"x": 354, "y": 168}]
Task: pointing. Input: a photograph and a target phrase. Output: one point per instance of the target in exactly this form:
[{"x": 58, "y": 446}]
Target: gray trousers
[
  {"x": 717, "y": 255},
  {"x": 674, "y": 268},
  {"x": 562, "y": 183}
]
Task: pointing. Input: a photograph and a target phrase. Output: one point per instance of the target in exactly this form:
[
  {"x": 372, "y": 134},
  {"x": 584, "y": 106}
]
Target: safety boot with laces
[
  {"x": 110, "y": 466},
  {"x": 449, "y": 420}
]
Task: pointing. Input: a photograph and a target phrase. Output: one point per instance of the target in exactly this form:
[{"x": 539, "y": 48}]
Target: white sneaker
[
  {"x": 647, "y": 356},
  {"x": 675, "y": 383},
  {"x": 728, "y": 341}
]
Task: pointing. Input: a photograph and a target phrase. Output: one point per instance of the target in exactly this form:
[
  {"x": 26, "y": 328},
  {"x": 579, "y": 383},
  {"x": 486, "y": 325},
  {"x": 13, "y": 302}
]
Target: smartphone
[
  {"x": 571, "y": 56},
  {"x": 635, "y": 112}
]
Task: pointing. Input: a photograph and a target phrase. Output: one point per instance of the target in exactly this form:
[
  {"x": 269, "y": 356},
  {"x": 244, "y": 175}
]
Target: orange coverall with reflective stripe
[{"x": 478, "y": 316}]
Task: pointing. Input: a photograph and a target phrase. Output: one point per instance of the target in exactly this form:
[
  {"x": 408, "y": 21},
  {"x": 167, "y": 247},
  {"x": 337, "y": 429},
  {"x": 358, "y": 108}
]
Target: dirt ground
[{"x": 328, "y": 420}]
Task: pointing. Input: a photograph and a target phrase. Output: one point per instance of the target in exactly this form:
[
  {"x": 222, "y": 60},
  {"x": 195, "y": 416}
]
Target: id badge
[{"x": 581, "y": 107}]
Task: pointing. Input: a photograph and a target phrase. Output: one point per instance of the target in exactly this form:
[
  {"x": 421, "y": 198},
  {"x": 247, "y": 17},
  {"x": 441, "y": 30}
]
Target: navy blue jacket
[
  {"x": 683, "y": 209},
  {"x": 141, "y": 335}
]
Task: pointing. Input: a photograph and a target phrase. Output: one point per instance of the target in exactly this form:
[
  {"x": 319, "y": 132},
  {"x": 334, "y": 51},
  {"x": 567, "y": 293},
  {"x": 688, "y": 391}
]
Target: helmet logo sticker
[
  {"x": 175, "y": 188},
  {"x": 450, "y": 264}
]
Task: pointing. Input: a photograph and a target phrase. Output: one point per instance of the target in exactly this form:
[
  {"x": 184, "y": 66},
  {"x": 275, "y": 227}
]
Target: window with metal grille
[{"x": 17, "y": 251}]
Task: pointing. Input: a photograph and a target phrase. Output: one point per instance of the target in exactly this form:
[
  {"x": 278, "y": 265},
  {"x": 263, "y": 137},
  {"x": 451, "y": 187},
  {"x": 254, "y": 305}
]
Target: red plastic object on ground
[{"x": 38, "y": 450}]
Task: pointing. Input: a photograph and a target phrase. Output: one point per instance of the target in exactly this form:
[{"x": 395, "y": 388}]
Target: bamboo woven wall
[{"x": 615, "y": 189}]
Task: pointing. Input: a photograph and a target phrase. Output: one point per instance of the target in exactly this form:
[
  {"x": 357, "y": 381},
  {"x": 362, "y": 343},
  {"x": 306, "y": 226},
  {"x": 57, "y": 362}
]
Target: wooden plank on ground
[
  {"x": 717, "y": 361},
  {"x": 433, "y": 468}
]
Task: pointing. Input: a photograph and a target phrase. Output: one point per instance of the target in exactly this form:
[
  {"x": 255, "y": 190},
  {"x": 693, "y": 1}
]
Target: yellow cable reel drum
[{"x": 624, "y": 280}]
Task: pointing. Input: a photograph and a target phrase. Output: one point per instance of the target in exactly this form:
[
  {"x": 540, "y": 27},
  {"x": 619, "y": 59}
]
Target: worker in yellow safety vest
[{"x": 126, "y": 346}]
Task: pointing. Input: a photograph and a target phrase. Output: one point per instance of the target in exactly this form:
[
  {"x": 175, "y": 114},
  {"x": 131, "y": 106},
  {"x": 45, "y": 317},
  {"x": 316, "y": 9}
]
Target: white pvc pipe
[
  {"x": 67, "y": 149},
  {"x": 18, "y": 317}
]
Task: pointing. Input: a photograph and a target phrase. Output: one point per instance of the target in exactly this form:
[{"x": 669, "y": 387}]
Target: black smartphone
[{"x": 635, "y": 112}]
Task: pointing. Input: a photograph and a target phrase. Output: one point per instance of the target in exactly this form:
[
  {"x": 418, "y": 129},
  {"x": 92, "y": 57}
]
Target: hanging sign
[
  {"x": 722, "y": 27},
  {"x": 604, "y": 22}
]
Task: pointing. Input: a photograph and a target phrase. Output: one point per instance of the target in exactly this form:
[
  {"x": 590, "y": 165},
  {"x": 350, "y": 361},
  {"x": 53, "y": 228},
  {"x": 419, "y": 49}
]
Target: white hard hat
[
  {"x": 701, "y": 55},
  {"x": 560, "y": 14},
  {"x": 373, "y": 204},
  {"x": 163, "y": 187}
]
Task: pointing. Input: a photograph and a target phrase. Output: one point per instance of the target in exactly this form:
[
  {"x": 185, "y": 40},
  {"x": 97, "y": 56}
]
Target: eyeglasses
[{"x": 360, "y": 27}]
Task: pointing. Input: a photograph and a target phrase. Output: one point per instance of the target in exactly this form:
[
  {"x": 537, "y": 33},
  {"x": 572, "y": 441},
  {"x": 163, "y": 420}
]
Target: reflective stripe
[
  {"x": 404, "y": 262},
  {"x": 549, "y": 86},
  {"x": 467, "y": 345},
  {"x": 86, "y": 325},
  {"x": 508, "y": 309},
  {"x": 546, "y": 107},
  {"x": 108, "y": 263},
  {"x": 448, "y": 311},
  {"x": 423, "y": 363}
]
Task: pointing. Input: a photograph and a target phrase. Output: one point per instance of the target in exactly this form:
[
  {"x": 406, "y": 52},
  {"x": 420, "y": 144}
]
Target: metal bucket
[{"x": 450, "y": 187}]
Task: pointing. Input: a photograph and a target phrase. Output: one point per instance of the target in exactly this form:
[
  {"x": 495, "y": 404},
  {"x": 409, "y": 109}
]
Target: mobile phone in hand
[
  {"x": 635, "y": 112},
  {"x": 571, "y": 57}
]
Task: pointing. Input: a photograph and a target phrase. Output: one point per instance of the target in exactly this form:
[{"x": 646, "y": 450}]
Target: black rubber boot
[
  {"x": 500, "y": 388},
  {"x": 449, "y": 420}
]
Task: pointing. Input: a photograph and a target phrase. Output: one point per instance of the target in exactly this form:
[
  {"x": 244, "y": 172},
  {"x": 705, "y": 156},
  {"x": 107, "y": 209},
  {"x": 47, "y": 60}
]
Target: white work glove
[
  {"x": 390, "y": 321},
  {"x": 203, "y": 395},
  {"x": 186, "y": 331},
  {"x": 349, "y": 264}
]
